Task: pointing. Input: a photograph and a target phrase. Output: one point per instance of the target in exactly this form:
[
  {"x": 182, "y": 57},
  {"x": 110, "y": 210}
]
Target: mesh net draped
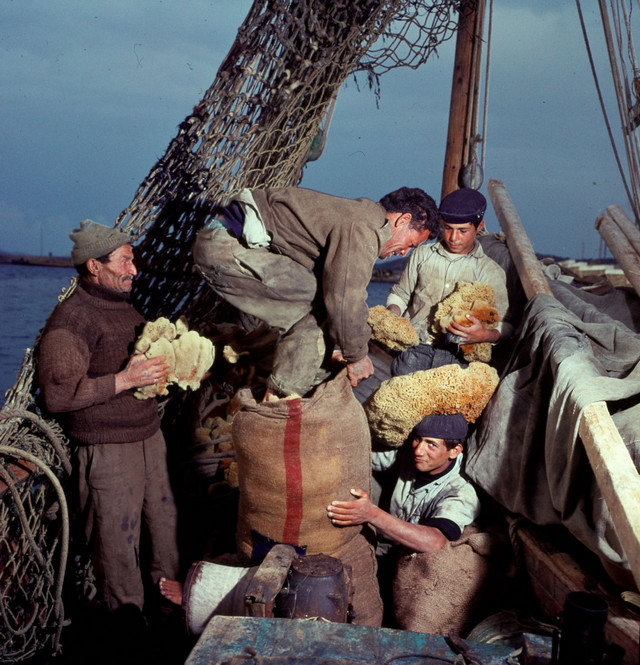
[{"x": 254, "y": 127}]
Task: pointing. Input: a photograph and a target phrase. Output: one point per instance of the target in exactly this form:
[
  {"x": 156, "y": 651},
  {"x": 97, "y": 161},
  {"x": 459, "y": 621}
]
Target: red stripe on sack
[{"x": 293, "y": 473}]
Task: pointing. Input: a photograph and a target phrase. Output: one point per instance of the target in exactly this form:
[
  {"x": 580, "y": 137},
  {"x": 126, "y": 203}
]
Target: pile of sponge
[
  {"x": 395, "y": 332},
  {"x": 401, "y": 402}
]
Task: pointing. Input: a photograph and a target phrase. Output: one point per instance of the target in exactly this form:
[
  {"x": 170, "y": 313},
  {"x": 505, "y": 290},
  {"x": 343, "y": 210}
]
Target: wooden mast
[{"x": 464, "y": 93}]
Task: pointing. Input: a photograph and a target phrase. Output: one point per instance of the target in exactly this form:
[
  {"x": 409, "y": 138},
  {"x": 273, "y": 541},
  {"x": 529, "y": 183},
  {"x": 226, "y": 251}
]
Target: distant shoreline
[
  {"x": 35, "y": 260},
  {"x": 385, "y": 276}
]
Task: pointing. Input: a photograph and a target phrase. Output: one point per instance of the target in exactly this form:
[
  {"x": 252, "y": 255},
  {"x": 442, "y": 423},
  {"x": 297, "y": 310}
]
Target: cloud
[{"x": 94, "y": 92}]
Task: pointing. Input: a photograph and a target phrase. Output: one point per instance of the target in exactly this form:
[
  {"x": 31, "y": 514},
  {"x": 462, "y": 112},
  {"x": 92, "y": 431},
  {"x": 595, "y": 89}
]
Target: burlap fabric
[
  {"x": 295, "y": 457},
  {"x": 452, "y": 589}
]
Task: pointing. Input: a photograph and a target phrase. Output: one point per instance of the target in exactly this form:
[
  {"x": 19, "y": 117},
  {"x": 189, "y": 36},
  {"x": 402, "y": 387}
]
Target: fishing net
[
  {"x": 34, "y": 523},
  {"x": 263, "y": 118},
  {"x": 256, "y": 125}
]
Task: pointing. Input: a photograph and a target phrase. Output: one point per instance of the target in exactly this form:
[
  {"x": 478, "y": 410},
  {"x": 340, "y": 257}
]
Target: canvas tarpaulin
[{"x": 526, "y": 452}]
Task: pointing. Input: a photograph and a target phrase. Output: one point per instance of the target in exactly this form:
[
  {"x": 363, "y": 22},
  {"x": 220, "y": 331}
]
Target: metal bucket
[
  {"x": 582, "y": 637},
  {"x": 317, "y": 586}
]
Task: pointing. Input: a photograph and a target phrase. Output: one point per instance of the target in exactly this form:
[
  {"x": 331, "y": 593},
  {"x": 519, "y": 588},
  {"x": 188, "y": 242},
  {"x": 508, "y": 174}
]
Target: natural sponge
[
  {"x": 188, "y": 354},
  {"x": 194, "y": 356},
  {"x": 394, "y": 331},
  {"x": 395, "y": 407},
  {"x": 477, "y": 299}
]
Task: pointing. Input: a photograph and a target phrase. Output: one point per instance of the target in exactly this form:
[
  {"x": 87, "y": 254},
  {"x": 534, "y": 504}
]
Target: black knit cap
[
  {"x": 442, "y": 426},
  {"x": 463, "y": 206}
]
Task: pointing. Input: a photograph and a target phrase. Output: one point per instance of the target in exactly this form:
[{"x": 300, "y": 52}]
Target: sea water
[{"x": 28, "y": 294}]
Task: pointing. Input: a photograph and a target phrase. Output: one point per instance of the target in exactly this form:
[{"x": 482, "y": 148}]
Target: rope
[
  {"x": 602, "y": 104},
  {"x": 485, "y": 108},
  {"x": 622, "y": 89},
  {"x": 8, "y": 413},
  {"x": 57, "y": 606}
]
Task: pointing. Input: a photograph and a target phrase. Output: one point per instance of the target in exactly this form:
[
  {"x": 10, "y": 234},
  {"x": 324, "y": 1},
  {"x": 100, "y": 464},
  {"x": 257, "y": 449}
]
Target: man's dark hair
[
  {"x": 82, "y": 269},
  {"x": 423, "y": 209},
  {"x": 452, "y": 443}
]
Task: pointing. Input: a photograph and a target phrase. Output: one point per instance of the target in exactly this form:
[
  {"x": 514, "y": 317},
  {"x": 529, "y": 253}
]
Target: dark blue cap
[
  {"x": 463, "y": 206},
  {"x": 442, "y": 426}
]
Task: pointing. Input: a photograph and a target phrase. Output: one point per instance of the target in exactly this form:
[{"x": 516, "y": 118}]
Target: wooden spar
[
  {"x": 610, "y": 461},
  {"x": 617, "y": 478},
  {"x": 531, "y": 275},
  {"x": 623, "y": 239},
  {"x": 463, "y": 90},
  {"x": 627, "y": 227}
]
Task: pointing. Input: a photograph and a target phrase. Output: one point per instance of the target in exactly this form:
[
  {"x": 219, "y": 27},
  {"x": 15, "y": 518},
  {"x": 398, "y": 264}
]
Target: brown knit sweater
[{"x": 86, "y": 341}]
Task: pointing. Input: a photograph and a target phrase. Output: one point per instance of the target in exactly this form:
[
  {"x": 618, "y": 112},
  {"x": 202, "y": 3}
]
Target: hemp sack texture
[
  {"x": 452, "y": 589},
  {"x": 294, "y": 457},
  {"x": 399, "y": 403}
]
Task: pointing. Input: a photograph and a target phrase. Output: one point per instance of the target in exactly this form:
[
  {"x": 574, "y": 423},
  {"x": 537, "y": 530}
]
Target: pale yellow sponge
[
  {"x": 188, "y": 354},
  {"x": 394, "y": 331},
  {"x": 399, "y": 403},
  {"x": 194, "y": 356},
  {"x": 153, "y": 331}
]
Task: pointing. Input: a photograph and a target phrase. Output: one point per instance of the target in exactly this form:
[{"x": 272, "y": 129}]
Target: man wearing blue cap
[
  {"x": 431, "y": 274},
  {"x": 431, "y": 502}
]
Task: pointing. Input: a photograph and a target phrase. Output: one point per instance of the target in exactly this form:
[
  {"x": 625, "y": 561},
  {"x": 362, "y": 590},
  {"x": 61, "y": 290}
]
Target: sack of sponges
[
  {"x": 188, "y": 354},
  {"x": 395, "y": 332},
  {"x": 477, "y": 299},
  {"x": 395, "y": 407}
]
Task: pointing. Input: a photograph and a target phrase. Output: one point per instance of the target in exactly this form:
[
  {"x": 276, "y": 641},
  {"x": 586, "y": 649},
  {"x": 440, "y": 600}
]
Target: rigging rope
[
  {"x": 629, "y": 136},
  {"x": 485, "y": 108}
]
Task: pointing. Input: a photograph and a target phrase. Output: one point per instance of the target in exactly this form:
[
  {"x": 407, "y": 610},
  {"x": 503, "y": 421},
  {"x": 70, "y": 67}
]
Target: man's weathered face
[
  {"x": 118, "y": 273},
  {"x": 460, "y": 238},
  {"x": 431, "y": 455},
  {"x": 403, "y": 237}
]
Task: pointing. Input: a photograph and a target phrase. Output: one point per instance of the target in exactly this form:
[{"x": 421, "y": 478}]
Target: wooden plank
[
  {"x": 617, "y": 478},
  {"x": 531, "y": 275},
  {"x": 553, "y": 574},
  {"x": 464, "y": 88},
  {"x": 611, "y": 463},
  {"x": 624, "y": 253}
]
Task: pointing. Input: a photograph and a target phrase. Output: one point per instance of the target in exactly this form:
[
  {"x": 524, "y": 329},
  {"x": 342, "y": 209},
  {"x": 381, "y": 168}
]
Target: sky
[{"x": 93, "y": 92}]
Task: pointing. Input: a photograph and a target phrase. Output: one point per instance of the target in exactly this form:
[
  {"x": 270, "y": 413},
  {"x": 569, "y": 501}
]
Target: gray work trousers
[
  {"x": 281, "y": 292},
  {"x": 119, "y": 484}
]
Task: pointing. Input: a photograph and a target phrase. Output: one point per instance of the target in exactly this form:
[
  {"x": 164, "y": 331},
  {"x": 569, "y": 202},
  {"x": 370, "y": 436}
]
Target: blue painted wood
[{"x": 293, "y": 642}]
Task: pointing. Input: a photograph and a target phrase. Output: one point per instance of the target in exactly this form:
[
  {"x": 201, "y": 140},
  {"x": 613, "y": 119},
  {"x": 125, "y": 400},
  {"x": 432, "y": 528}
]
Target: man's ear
[
  {"x": 92, "y": 267},
  {"x": 480, "y": 226},
  {"x": 455, "y": 451},
  {"x": 403, "y": 220}
]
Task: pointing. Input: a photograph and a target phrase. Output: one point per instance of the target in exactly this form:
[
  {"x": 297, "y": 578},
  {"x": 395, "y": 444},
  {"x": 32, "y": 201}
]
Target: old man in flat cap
[{"x": 87, "y": 377}]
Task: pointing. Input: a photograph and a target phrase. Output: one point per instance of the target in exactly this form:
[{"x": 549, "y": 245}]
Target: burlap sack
[
  {"x": 295, "y": 457},
  {"x": 360, "y": 555},
  {"x": 452, "y": 589}
]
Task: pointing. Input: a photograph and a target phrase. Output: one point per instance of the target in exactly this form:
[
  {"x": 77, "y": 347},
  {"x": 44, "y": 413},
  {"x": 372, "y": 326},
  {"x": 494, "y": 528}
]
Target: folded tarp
[{"x": 525, "y": 451}]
